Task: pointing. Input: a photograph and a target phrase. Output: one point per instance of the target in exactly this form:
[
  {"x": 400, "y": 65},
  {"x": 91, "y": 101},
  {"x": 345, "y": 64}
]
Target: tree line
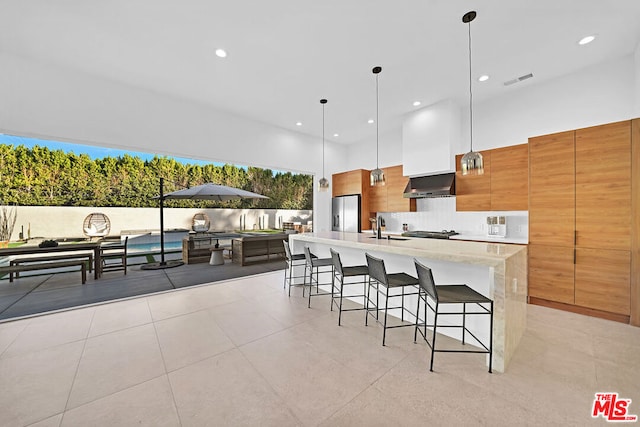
[{"x": 39, "y": 176}]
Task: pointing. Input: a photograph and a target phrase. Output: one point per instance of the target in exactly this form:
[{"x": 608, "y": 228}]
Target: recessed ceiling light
[
  {"x": 416, "y": 103},
  {"x": 586, "y": 40},
  {"x": 221, "y": 53},
  {"x": 298, "y": 123},
  {"x": 336, "y": 135},
  {"x": 483, "y": 78},
  {"x": 370, "y": 121}
]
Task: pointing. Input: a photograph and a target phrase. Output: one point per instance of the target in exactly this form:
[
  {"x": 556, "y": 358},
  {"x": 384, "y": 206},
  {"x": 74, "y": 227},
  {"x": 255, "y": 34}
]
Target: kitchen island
[{"x": 496, "y": 270}]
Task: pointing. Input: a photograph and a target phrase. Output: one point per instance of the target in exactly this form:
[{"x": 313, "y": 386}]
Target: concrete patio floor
[{"x": 30, "y": 295}]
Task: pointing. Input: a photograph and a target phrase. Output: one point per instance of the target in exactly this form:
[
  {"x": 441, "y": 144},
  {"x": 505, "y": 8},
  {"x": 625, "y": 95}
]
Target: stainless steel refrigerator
[{"x": 346, "y": 213}]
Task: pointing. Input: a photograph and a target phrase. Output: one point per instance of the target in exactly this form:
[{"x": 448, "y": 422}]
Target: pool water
[{"x": 153, "y": 247}]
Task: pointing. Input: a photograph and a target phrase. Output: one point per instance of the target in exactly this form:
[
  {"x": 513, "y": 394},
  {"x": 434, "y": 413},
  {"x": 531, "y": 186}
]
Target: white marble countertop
[
  {"x": 496, "y": 239},
  {"x": 472, "y": 237},
  {"x": 472, "y": 252}
]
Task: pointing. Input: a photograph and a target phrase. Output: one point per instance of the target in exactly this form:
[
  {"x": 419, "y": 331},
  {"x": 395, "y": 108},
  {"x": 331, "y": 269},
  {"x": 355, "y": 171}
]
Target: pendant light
[
  {"x": 377, "y": 175},
  {"x": 471, "y": 163},
  {"x": 323, "y": 183}
]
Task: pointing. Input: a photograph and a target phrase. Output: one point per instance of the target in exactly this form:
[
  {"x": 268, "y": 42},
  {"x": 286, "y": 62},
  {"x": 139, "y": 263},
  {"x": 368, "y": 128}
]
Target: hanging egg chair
[
  {"x": 200, "y": 223},
  {"x": 96, "y": 224}
]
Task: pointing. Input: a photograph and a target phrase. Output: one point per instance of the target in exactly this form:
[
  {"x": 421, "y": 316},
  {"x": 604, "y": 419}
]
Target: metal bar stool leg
[{"x": 386, "y": 310}]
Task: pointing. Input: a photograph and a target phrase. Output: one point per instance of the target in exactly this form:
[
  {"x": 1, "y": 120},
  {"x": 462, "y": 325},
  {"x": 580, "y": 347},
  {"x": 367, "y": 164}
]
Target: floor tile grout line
[
  {"x": 75, "y": 374},
  {"x": 164, "y": 364}
]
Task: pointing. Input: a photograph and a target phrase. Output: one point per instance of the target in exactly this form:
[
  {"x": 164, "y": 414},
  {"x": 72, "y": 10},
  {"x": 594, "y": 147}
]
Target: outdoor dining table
[{"x": 62, "y": 247}]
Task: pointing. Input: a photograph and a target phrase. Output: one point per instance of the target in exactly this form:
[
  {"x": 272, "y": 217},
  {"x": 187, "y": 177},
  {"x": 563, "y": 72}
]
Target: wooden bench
[
  {"x": 88, "y": 257},
  {"x": 45, "y": 266}
]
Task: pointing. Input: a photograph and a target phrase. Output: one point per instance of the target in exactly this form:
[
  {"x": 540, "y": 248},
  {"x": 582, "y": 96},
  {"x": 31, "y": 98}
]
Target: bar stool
[
  {"x": 338, "y": 284},
  {"x": 320, "y": 265},
  {"x": 450, "y": 294},
  {"x": 384, "y": 283},
  {"x": 292, "y": 261}
]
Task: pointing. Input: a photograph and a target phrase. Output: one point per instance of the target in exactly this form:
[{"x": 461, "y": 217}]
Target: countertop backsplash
[{"x": 436, "y": 214}]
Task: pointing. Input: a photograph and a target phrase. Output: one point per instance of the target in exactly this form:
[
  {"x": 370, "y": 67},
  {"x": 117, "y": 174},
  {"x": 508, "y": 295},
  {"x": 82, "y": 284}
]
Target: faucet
[{"x": 379, "y": 236}]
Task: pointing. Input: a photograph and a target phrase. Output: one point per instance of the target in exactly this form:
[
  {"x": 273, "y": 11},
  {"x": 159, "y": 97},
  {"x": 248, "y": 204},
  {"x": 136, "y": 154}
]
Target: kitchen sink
[{"x": 389, "y": 238}]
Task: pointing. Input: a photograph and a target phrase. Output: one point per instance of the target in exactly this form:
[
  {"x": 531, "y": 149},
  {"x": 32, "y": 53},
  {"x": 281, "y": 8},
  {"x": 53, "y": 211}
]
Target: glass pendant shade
[
  {"x": 323, "y": 184},
  {"x": 472, "y": 164},
  {"x": 377, "y": 178}
]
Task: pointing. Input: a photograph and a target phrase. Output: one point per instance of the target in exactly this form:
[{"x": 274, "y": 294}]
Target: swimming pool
[{"x": 133, "y": 248}]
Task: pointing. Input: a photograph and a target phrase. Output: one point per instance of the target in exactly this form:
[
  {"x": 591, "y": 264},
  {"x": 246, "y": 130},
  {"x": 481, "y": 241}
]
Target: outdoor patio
[{"x": 31, "y": 295}]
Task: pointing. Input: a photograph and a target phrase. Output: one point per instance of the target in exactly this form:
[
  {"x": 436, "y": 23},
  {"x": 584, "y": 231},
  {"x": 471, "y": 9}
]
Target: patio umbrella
[
  {"x": 207, "y": 191},
  {"x": 210, "y": 191}
]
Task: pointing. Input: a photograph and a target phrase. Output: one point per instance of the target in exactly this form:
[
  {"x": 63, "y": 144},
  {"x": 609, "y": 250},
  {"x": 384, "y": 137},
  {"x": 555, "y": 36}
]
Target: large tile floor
[{"x": 240, "y": 352}]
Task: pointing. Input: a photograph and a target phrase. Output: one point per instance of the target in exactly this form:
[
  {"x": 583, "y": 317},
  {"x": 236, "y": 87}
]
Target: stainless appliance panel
[
  {"x": 336, "y": 213},
  {"x": 345, "y": 212},
  {"x": 351, "y": 214}
]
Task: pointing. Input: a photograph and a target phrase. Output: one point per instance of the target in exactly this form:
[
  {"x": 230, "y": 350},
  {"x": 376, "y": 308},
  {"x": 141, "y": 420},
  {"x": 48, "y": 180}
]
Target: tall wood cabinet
[
  {"x": 580, "y": 222},
  {"x": 502, "y": 187}
]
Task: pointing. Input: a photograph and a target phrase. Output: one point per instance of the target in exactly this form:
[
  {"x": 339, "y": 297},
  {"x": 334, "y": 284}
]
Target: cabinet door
[
  {"x": 338, "y": 184},
  {"x": 510, "y": 178},
  {"x": 347, "y": 183},
  {"x": 552, "y": 190},
  {"x": 603, "y": 186},
  {"x": 473, "y": 192},
  {"x": 551, "y": 273},
  {"x": 396, "y": 183},
  {"x": 602, "y": 280},
  {"x": 378, "y": 199}
]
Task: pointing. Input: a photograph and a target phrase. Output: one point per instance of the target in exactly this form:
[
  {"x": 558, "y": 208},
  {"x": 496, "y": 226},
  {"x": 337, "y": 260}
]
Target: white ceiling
[{"x": 283, "y": 56}]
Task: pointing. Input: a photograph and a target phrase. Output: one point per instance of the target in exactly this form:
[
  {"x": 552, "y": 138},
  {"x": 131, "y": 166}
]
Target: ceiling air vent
[{"x": 518, "y": 79}]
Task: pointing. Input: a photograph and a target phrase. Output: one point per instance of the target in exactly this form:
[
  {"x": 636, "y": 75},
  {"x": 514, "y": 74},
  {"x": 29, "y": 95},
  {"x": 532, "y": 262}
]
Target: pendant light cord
[
  {"x": 470, "y": 94},
  {"x": 377, "y": 145},
  {"x": 323, "y": 140}
]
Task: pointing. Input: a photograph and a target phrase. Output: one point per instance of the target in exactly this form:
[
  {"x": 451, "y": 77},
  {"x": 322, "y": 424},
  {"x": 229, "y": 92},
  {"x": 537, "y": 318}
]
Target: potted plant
[{"x": 7, "y": 222}]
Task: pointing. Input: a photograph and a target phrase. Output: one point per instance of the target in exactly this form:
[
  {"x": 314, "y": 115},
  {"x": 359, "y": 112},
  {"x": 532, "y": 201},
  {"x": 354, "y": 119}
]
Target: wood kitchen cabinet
[
  {"x": 389, "y": 197},
  {"x": 473, "y": 192},
  {"x": 510, "y": 178},
  {"x": 580, "y": 203},
  {"x": 354, "y": 182},
  {"x": 504, "y": 186}
]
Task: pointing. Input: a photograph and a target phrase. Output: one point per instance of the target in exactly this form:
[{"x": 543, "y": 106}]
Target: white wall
[
  {"x": 362, "y": 155},
  {"x": 636, "y": 72},
  {"x": 44, "y": 100},
  {"x": 57, "y": 222},
  {"x": 592, "y": 96}
]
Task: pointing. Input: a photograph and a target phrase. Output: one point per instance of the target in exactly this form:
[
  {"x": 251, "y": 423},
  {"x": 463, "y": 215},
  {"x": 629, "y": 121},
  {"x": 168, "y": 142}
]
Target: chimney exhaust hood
[{"x": 443, "y": 185}]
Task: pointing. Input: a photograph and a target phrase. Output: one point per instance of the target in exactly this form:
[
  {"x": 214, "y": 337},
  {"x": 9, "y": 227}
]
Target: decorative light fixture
[
  {"x": 377, "y": 175},
  {"x": 323, "y": 184},
  {"x": 471, "y": 163}
]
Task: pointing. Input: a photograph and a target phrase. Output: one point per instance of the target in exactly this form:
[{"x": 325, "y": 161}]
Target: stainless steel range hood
[{"x": 443, "y": 185}]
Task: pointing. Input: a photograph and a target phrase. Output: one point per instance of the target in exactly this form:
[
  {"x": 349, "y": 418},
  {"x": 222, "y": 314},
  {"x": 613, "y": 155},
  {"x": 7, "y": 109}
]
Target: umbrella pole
[
  {"x": 162, "y": 264},
  {"x": 162, "y": 261}
]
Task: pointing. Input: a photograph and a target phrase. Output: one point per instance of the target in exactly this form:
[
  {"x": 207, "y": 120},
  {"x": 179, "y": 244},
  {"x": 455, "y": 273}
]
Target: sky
[{"x": 92, "y": 151}]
